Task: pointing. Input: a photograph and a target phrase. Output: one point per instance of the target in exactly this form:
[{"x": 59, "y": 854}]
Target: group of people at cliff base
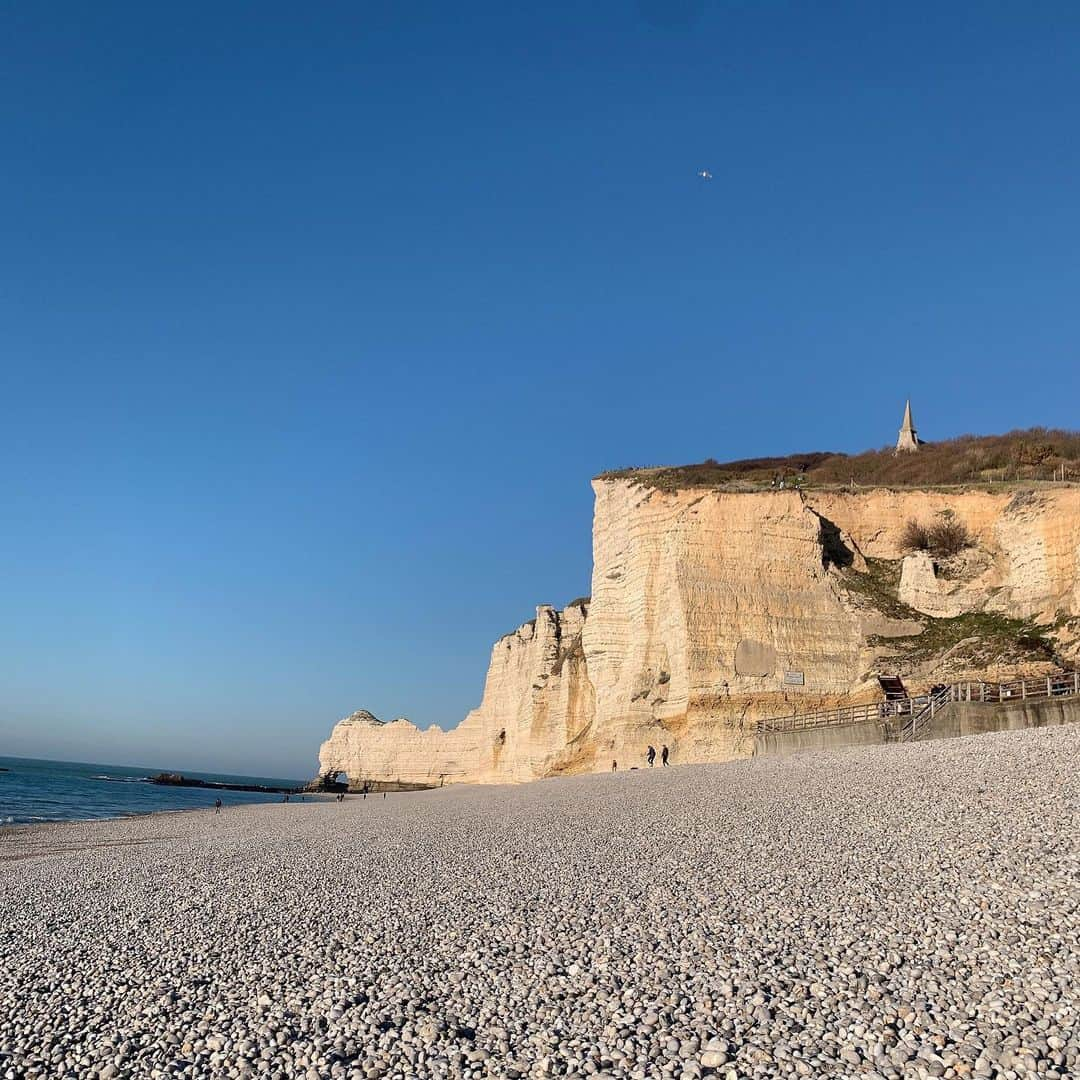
[
  {"x": 650, "y": 758},
  {"x": 366, "y": 787}
]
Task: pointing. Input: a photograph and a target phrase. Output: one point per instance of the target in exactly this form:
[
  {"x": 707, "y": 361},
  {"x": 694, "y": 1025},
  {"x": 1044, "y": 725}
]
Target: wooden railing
[
  {"x": 918, "y": 710},
  {"x": 1061, "y": 684},
  {"x": 844, "y": 714}
]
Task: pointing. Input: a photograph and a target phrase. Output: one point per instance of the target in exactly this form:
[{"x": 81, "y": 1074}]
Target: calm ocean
[{"x": 33, "y": 791}]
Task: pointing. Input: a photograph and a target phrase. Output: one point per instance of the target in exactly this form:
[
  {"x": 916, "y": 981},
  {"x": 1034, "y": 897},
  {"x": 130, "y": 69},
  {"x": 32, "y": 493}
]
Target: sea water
[{"x": 34, "y": 791}]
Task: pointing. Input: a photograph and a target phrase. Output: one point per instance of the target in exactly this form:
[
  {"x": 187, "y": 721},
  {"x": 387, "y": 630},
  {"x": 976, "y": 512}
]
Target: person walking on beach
[
  {"x": 614, "y": 766},
  {"x": 650, "y": 756},
  {"x": 663, "y": 755},
  {"x": 217, "y": 806}
]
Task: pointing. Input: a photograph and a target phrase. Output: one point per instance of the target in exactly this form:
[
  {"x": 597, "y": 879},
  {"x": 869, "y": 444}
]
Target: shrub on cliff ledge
[
  {"x": 945, "y": 537},
  {"x": 915, "y": 537}
]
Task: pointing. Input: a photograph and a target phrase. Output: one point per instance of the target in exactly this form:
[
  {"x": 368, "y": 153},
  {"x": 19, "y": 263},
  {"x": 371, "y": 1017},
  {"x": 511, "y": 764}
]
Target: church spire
[{"x": 908, "y": 439}]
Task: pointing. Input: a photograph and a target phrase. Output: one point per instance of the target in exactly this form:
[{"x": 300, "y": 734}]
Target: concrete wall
[
  {"x": 864, "y": 733},
  {"x": 958, "y": 718},
  {"x": 973, "y": 718}
]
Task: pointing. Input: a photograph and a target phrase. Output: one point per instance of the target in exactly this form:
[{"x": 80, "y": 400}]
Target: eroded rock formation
[
  {"x": 536, "y": 708},
  {"x": 712, "y": 608}
]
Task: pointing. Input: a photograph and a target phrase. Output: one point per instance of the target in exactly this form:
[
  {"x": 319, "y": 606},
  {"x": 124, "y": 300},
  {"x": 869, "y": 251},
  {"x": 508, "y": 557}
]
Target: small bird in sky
[{"x": 705, "y": 174}]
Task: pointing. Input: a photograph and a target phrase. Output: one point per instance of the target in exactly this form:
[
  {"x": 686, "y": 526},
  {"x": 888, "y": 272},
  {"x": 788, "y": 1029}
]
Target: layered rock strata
[{"x": 712, "y": 608}]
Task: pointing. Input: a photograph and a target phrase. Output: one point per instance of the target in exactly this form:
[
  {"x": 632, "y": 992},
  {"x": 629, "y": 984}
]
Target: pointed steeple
[{"x": 909, "y": 437}]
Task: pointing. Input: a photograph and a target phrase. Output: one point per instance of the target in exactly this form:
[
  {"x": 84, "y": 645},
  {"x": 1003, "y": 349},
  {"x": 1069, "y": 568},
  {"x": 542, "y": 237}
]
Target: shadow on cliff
[{"x": 834, "y": 549}]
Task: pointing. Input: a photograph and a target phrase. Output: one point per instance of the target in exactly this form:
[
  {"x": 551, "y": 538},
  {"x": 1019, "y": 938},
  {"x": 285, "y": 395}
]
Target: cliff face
[
  {"x": 537, "y": 704},
  {"x": 712, "y": 608},
  {"x": 702, "y": 604},
  {"x": 1026, "y": 555}
]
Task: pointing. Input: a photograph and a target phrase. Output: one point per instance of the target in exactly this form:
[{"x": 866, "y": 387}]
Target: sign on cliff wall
[{"x": 793, "y": 678}]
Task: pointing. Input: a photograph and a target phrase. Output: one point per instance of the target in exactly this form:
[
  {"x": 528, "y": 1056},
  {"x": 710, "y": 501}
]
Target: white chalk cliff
[{"x": 712, "y": 608}]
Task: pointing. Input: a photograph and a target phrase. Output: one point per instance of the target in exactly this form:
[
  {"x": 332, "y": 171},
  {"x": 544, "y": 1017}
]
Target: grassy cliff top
[{"x": 1033, "y": 454}]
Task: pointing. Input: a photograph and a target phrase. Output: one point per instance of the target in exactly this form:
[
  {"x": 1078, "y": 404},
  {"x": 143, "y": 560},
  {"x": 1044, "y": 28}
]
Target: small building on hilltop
[{"x": 908, "y": 440}]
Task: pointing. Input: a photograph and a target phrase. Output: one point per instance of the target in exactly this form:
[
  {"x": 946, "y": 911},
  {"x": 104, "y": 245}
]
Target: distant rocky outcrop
[
  {"x": 168, "y": 779},
  {"x": 711, "y": 608}
]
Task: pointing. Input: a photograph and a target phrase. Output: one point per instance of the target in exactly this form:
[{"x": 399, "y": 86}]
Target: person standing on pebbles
[
  {"x": 650, "y": 756},
  {"x": 614, "y": 766},
  {"x": 217, "y": 806},
  {"x": 663, "y": 755}
]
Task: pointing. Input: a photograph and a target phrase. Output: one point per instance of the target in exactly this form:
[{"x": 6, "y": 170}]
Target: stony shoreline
[
  {"x": 15, "y": 834},
  {"x": 886, "y": 912}
]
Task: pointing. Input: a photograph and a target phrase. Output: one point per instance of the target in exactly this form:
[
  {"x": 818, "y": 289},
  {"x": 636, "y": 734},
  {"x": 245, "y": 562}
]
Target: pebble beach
[{"x": 888, "y": 912}]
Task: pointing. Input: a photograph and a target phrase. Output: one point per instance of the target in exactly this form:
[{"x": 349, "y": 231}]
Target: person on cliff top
[
  {"x": 217, "y": 806},
  {"x": 663, "y": 755},
  {"x": 650, "y": 756}
]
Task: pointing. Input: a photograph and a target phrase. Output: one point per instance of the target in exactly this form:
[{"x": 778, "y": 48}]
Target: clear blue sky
[{"x": 315, "y": 320}]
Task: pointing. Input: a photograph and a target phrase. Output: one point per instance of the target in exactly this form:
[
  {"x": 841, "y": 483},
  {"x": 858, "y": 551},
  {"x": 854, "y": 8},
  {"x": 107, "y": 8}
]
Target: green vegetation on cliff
[
  {"x": 1033, "y": 454},
  {"x": 981, "y": 637}
]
